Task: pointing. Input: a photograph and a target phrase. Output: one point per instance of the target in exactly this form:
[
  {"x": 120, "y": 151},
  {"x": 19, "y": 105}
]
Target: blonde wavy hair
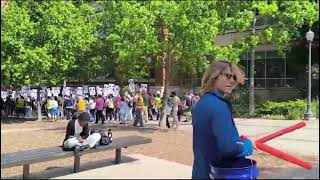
[{"x": 215, "y": 69}]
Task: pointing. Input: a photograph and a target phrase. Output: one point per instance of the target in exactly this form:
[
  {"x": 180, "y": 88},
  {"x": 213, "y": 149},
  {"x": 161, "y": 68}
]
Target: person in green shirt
[
  {"x": 50, "y": 107},
  {"x": 158, "y": 105},
  {"x": 20, "y": 106}
]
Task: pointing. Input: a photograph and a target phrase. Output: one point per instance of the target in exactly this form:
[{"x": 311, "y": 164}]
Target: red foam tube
[
  {"x": 283, "y": 155},
  {"x": 260, "y": 145},
  {"x": 281, "y": 132}
]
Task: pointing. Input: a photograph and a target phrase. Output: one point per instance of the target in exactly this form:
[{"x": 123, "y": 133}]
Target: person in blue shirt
[{"x": 216, "y": 141}]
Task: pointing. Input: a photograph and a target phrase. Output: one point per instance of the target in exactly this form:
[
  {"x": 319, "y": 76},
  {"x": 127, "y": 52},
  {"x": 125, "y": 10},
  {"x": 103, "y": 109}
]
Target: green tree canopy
[{"x": 42, "y": 41}]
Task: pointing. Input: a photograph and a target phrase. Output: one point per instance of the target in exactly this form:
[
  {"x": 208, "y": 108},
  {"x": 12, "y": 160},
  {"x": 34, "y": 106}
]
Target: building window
[{"x": 270, "y": 70}]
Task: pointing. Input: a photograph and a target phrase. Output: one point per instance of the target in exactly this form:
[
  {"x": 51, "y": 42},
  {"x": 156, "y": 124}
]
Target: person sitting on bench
[{"x": 77, "y": 134}]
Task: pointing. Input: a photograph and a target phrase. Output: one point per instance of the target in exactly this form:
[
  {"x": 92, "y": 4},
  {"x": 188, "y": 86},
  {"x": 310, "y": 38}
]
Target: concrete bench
[{"x": 26, "y": 158}]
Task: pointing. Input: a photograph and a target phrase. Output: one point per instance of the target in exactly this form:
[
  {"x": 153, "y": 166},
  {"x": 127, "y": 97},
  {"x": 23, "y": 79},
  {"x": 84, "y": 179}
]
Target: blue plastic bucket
[{"x": 240, "y": 169}]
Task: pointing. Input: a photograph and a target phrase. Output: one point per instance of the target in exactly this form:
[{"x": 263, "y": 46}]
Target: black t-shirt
[
  {"x": 146, "y": 99},
  {"x": 1, "y": 104},
  {"x": 27, "y": 103}
]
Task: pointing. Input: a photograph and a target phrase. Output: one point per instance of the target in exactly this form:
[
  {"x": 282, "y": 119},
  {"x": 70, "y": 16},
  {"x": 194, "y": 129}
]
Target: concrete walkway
[
  {"x": 143, "y": 168},
  {"x": 303, "y": 141}
]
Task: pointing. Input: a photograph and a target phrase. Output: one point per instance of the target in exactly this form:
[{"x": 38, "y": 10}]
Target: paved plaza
[{"x": 170, "y": 155}]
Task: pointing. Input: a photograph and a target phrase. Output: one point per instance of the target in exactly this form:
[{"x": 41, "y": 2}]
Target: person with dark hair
[
  {"x": 168, "y": 109},
  {"x": 50, "y": 107},
  {"x": 175, "y": 108},
  {"x": 158, "y": 105},
  {"x": 117, "y": 102},
  {"x": 151, "y": 106},
  {"x": 68, "y": 106},
  {"x": 139, "y": 110},
  {"x": 77, "y": 133},
  {"x": 20, "y": 103},
  {"x": 124, "y": 109},
  {"x": 92, "y": 108},
  {"x": 81, "y": 105},
  {"x": 109, "y": 107},
  {"x": 2, "y": 107},
  {"x": 146, "y": 101},
  {"x": 100, "y": 104},
  {"x": 55, "y": 108},
  {"x": 28, "y": 108},
  {"x": 10, "y": 106}
]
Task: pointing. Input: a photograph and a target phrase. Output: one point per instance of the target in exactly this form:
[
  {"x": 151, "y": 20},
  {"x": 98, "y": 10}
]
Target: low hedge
[{"x": 292, "y": 110}]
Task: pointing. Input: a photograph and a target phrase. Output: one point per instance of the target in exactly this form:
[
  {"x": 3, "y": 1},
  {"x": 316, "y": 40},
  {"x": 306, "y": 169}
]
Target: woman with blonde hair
[{"x": 216, "y": 141}]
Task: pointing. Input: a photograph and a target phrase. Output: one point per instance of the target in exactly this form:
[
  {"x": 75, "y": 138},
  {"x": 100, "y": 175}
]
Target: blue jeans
[
  {"x": 92, "y": 115},
  {"x": 139, "y": 118},
  {"x": 28, "y": 111}
]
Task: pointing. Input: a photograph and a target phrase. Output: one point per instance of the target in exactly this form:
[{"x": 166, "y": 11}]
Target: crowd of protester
[{"x": 139, "y": 107}]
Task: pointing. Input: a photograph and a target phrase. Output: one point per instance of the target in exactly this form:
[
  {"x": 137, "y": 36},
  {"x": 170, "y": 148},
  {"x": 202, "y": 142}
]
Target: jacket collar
[{"x": 218, "y": 94}]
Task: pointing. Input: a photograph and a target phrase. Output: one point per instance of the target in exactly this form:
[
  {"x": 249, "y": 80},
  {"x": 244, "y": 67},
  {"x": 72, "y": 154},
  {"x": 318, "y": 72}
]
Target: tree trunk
[
  {"x": 166, "y": 61},
  {"x": 166, "y": 82}
]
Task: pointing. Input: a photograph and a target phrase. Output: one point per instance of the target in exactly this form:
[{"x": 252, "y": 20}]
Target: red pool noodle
[
  {"x": 281, "y": 132},
  {"x": 260, "y": 145},
  {"x": 283, "y": 155}
]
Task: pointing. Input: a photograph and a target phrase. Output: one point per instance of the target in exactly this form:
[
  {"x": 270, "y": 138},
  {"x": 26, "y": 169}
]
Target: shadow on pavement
[
  {"x": 14, "y": 120},
  {"x": 52, "y": 172},
  {"x": 148, "y": 128},
  {"x": 294, "y": 173}
]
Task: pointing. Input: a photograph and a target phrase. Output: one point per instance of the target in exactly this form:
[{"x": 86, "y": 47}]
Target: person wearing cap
[{"x": 77, "y": 133}]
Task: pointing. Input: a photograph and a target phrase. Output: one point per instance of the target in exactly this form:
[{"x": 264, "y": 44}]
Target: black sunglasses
[{"x": 228, "y": 76}]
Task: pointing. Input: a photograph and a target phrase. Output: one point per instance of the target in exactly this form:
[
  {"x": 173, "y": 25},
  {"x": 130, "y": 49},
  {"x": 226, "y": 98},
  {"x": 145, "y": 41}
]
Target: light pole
[{"x": 309, "y": 115}]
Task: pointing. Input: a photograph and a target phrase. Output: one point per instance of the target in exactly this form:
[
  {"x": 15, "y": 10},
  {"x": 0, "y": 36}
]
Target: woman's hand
[{"x": 253, "y": 141}]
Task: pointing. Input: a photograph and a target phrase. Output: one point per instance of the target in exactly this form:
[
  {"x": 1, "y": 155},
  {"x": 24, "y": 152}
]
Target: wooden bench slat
[
  {"x": 37, "y": 152},
  {"x": 47, "y": 154},
  {"x": 10, "y": 162},
  {"x": 34, "y": 151},
  {"x": 31, "y": 153},
  {"x": 39, "y": 156}
]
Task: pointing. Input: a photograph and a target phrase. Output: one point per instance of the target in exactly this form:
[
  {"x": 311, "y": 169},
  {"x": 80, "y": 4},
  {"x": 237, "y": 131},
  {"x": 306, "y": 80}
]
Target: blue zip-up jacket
[{"x": 216, "y": 140}]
